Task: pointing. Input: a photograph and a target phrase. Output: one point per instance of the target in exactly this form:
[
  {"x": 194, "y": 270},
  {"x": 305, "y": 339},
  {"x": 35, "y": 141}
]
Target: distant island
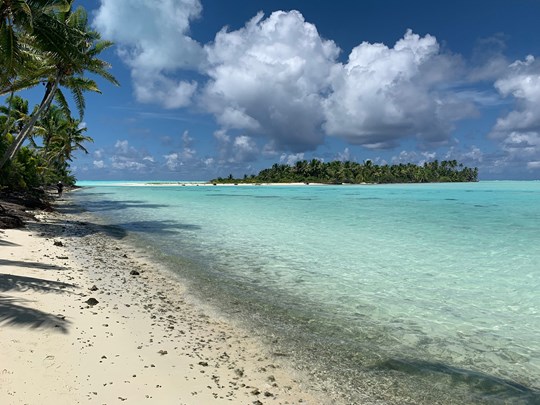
[{"x": 338, "y": 172}]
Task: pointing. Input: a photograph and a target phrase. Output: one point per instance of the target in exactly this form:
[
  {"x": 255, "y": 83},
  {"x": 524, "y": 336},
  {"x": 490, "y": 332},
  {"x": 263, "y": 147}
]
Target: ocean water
[{"x": 426, "y": 293}]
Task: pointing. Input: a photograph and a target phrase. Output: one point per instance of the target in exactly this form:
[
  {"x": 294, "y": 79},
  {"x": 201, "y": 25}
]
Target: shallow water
[{"x": 409, "y": 293}]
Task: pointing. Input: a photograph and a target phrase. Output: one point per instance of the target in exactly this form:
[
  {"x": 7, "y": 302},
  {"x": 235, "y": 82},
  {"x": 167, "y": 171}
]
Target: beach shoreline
[{"x": 144, "y": 340}]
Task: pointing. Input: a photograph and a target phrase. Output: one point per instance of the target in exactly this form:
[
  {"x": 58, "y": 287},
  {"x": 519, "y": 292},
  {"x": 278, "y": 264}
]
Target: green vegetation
[
  {"x": 337, "y": 172},
  {"x": 44, "y": 42}
]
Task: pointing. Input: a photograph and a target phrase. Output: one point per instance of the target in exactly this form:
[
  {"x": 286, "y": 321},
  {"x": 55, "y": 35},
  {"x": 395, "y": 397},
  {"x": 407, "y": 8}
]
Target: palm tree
[
  {"x": 64, "y": 143},
  {"x": 15, "y": 114},
  {"x": 61, "y": 137},
  {"x": 68, "y": 72},
  {"x": 54, "y": 121},
  {"x": 28, "y": 30}
]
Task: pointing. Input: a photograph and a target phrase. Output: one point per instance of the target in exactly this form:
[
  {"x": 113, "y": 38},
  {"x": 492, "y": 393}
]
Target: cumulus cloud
[
  {"x": 172, "y": 161},
  {"x": 186, "y": 154},
  {"x": 276, "y": 77},
  {"x": 268, "y": 78},
  {"x": 343, "y": 156},
  {"x": 411, "y": 156},
  {"x": 276, "y": 82},
  {"x": 519, "y": 131},
  {"x": 383, "y": 94},
  {"x": 126, "y": 157},
  {"x": 470, "y": 156},
  {"x": 238, "y": 149},
  {"x": 291, "y": 159},
  {"x": 153, "y": 39}
]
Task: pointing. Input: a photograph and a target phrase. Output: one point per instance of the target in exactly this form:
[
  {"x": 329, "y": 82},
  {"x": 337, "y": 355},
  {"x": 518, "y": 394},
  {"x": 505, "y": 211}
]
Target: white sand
[{"x": 145, "y": 341}]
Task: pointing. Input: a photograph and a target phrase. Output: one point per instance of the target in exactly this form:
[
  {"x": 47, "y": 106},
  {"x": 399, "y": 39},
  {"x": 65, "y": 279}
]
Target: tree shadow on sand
[
  {"x": 33, "y": 265},
  {"x": 11, "y": 282},
  {"x": 4, "y": 242},
  {"x": 13, "y": 313}
]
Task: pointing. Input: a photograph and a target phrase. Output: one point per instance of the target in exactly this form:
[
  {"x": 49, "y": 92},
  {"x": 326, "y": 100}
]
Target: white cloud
[
  {"x": 343, "y": 156},
  {"x": 99, "y": 164},
  {"x": 383, "y": 94},
  {"x": 178, "y": 158},
  {"x": 171, "y": 161},
  {"x": 415, "y": 157},
  {"x": 522, "y": 82},
  {"x": 291, "y": 159},
  {"x": 518, "y": 132},
  {"x": 268, "y": 78},
  {"x": 152, "y": 38},
  {"x": 239, "y": 149},
  {"x": 126, "y": 157},
  {"x": 277, "y": 79},
  {"x": 122, "y": 146}
]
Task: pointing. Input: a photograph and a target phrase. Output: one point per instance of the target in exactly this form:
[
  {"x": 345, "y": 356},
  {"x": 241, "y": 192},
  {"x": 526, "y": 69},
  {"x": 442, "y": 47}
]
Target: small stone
[
  {"x": 163, "y": 352},
  {"x": 58, "y": 243},
  {"x": 134, "y": 273},
  {"x": 93, "y": 288},
  {"x": 92, "y": 301},
  {"x": 255, "y": 391},
  {"x": 268, "y": 394},
  {"x": 239, "y": 372},
  {"x": 203, "y": 363}
]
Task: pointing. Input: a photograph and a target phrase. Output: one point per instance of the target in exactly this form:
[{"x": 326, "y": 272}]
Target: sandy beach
[{"x": 85, "y": 318}]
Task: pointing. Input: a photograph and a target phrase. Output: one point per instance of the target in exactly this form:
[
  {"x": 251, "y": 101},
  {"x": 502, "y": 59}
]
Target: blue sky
[{"x": 214, "y": 87}]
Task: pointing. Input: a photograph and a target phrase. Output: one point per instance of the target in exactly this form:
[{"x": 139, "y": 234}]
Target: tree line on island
[
  {"x": 338, "y": 172},
  {"x": 45, "y": 43}
]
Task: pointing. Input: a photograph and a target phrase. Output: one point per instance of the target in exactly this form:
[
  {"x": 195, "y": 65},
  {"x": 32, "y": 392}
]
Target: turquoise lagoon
[{"x": 426, "y": 293}]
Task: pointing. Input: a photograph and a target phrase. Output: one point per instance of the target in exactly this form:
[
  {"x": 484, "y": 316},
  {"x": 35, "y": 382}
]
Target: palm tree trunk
[{"x": 48, "y": 97}]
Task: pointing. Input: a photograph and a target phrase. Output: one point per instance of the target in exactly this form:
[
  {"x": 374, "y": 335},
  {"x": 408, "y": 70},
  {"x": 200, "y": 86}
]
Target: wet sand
[{"x": 86, "y": 318}]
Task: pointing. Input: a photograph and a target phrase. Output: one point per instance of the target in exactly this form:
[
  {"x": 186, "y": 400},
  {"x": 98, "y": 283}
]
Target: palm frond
[{"x": 61, "y": 100}]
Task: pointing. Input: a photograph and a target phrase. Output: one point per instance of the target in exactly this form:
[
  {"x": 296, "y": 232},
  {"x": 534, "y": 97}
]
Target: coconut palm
[
  {"x": 29, "y": 29},
  {"x": 68, "y": 71},
  {"x": 14, "y": 115},
  {"x": 64, "y": 143}
]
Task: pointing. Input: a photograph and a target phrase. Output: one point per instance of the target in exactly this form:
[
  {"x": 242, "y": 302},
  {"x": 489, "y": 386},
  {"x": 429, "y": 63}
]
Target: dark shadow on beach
[
  {"x": 13, "y": 313},
  {"x": 482, "y": 386},
  {"x": 11, "y": 282},
  {"x": 33, "y": 265},
  {"x": 7, "y": 243}
]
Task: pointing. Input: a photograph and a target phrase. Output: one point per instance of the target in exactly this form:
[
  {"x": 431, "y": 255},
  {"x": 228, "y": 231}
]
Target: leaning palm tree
[{"x": 68, "y": 71}]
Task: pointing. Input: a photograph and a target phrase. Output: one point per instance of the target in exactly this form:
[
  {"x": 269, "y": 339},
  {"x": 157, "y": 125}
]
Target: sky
[{"x": 211, "y": 87}]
